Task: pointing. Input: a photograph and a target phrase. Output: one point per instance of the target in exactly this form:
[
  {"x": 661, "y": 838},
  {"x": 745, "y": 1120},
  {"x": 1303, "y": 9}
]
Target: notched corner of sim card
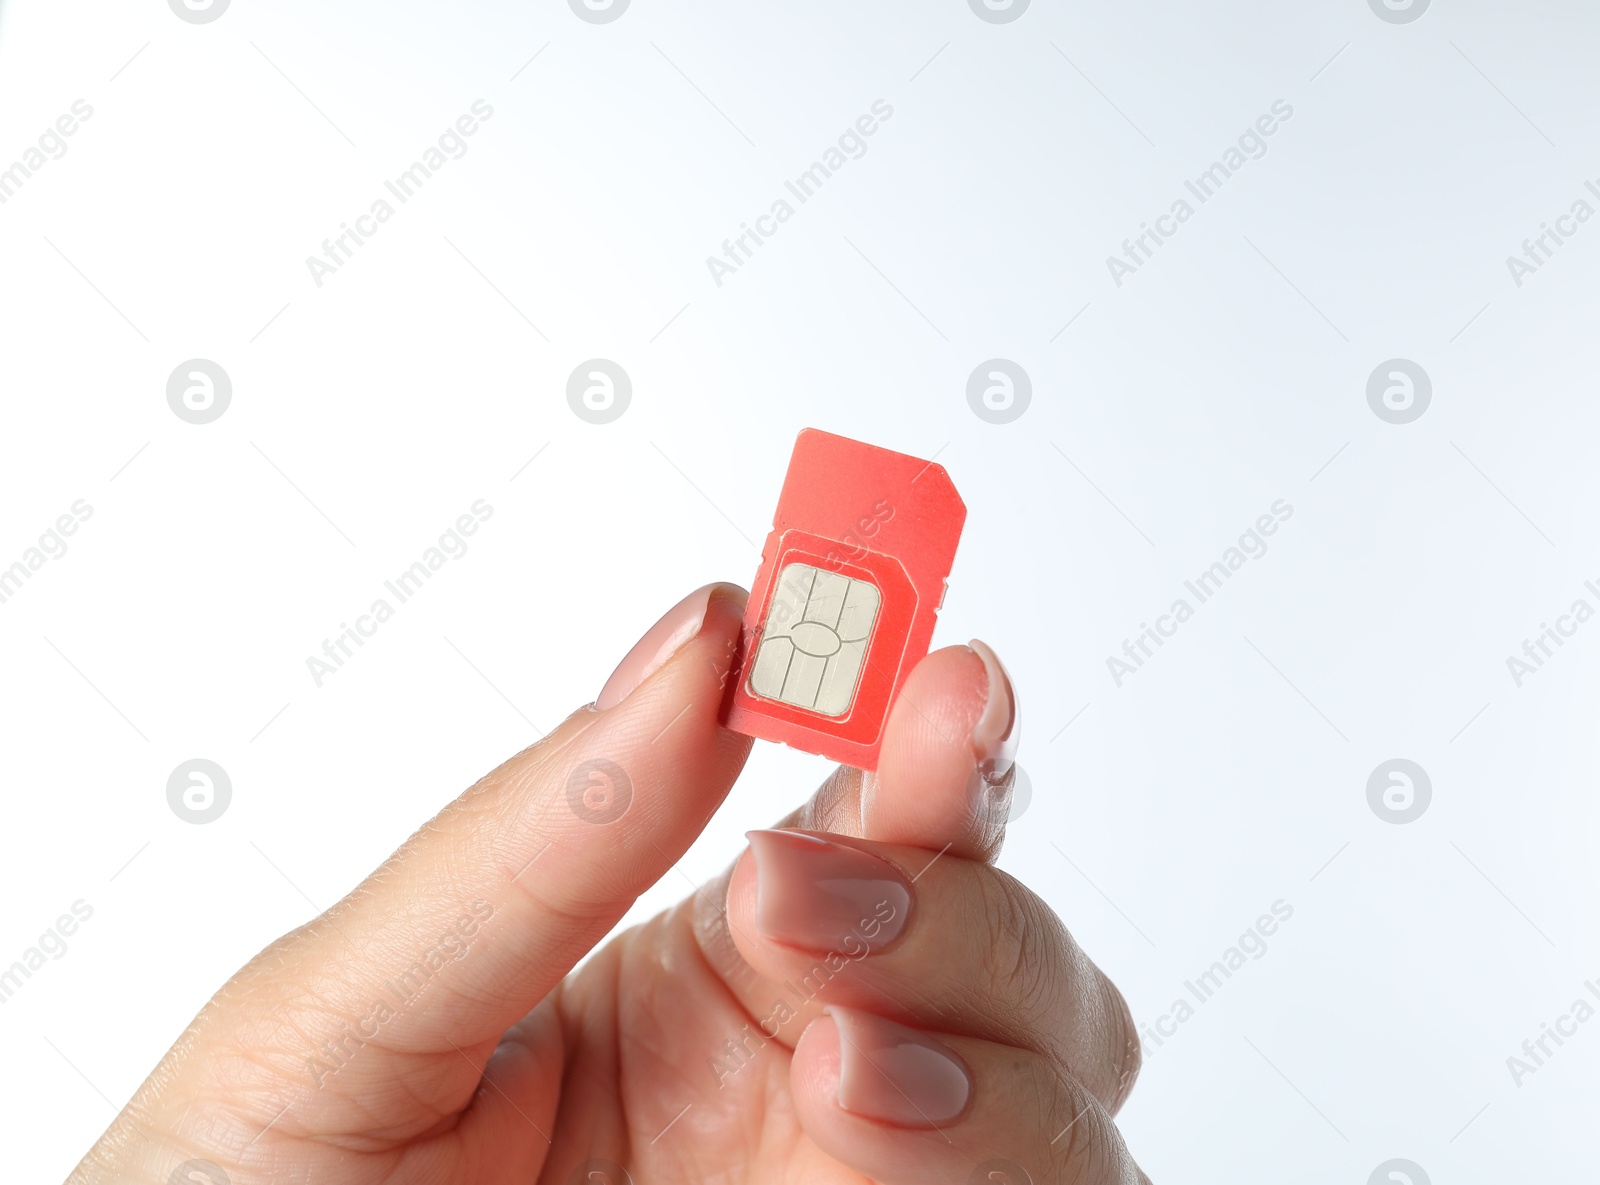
[{"x": 852, "y": 576}]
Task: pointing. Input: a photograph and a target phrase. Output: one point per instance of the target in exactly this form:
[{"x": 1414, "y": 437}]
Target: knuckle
[
  {"x": 1128, "y": 1053},
  {"x": 1030, "y": 955},
  {"x": 1086, "y": 1148},
  {"x": 1072, "y": 1139},
  {"x": 1040, "y": 985}
]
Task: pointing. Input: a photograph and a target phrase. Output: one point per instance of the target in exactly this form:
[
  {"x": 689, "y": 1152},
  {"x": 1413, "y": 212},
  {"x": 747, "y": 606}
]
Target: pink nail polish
[
  {"x": 896, "y": 1074},
  {"x": 999, "y": 728},
  {"x": 822, "y": 896},
  {"x": 660, "y": 642}
]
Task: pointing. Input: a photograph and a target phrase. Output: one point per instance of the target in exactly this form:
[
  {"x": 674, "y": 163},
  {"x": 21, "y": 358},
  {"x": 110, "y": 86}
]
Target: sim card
[{"x": 843, "y": 605}]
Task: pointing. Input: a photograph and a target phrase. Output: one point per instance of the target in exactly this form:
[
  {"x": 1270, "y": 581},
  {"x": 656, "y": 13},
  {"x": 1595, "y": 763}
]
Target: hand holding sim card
[
  {"x": 773, "y": 999},
  {"x": 843, "y": 605}
]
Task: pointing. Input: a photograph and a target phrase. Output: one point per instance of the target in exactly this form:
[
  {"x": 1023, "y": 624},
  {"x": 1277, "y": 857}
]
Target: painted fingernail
[
  {"x": 995, "y": 736},
  {"x": 822, "y": 896},
  {"x": 895, "y": 1074},
  {"x": 660, "y": 642}
]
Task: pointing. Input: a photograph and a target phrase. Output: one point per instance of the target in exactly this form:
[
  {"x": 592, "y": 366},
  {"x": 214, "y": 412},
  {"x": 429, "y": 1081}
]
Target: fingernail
[
  {"x": 825, "y": 897},
  {"x": 896, "y": 1074},
  {"x": 660, "y": 642},
  {"x": 995, "y": 736}
]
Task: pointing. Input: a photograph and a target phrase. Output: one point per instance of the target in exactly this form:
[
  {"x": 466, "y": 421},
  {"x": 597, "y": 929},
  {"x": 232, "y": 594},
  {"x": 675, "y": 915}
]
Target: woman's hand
[{"x": 861, "y": 997}]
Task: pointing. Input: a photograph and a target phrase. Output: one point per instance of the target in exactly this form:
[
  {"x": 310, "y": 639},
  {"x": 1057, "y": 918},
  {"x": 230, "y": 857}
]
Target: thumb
[{"x": 487, "y": 907}]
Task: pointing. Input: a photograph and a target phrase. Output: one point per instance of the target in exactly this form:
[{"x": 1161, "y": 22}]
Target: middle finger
[{"x": 930, "y": 941}]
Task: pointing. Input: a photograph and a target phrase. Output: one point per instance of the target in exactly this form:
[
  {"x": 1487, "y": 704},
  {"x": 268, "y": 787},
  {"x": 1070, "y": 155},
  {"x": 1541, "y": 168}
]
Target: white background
[{"x": 1172, "y": 411}]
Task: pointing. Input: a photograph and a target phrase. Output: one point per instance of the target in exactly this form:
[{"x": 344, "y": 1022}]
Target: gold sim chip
[{"x": 814, "y": 640}]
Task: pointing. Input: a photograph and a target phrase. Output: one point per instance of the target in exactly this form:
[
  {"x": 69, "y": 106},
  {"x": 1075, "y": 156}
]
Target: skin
[{"x": 506, "y": 1065}]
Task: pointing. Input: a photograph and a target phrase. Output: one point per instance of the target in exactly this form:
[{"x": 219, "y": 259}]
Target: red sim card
[{"x": 843, "y": 605}]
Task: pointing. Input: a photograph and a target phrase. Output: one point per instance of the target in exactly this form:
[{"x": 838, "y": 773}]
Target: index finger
[{"x": 484, "y": 910}]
